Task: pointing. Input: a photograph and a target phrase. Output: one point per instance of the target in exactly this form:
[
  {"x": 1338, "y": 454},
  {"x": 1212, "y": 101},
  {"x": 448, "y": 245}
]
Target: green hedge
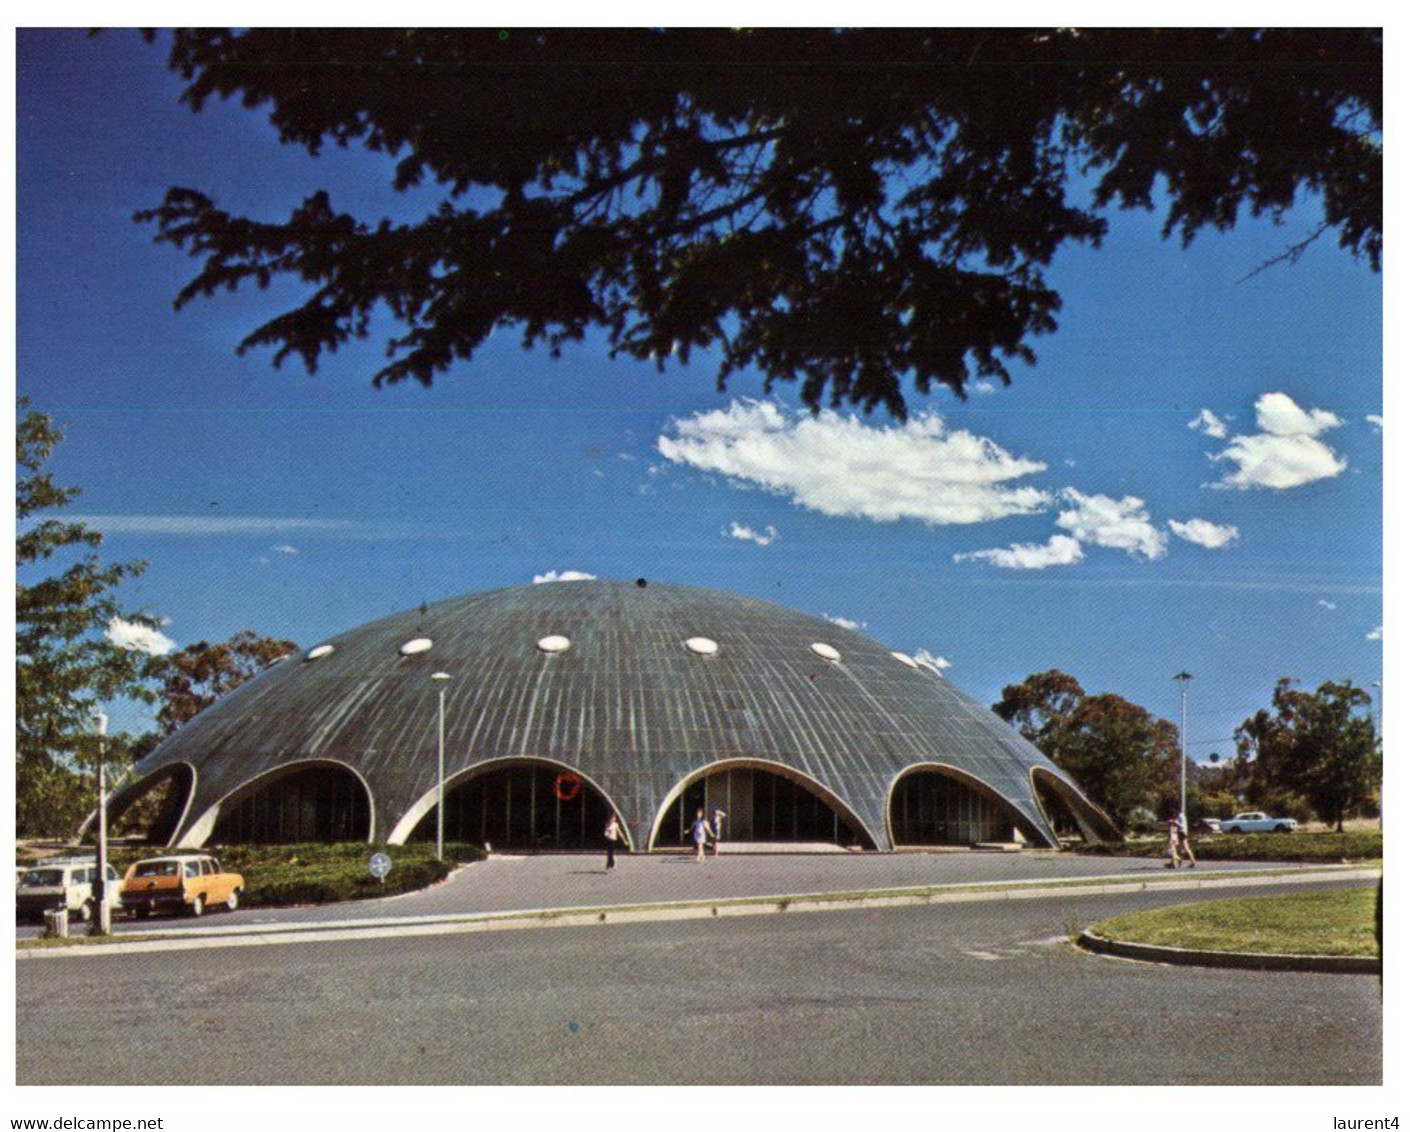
[
  {"x": 280, "y": 875},
  {"x": 1329, "y": 846}
]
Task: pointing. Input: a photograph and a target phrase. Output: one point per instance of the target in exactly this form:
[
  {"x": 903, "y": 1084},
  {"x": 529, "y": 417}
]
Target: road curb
[
  {"x": 1236, "y": 960},
  {"x": 585, "y": 916}
]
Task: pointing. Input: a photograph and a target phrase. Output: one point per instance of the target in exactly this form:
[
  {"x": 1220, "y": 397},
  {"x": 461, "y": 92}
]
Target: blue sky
[{"x": 515, "y": 465}]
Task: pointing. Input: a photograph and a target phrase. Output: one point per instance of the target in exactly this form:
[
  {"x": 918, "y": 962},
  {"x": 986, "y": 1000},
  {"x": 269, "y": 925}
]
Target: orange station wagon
[{"x": 182, "y": 882}]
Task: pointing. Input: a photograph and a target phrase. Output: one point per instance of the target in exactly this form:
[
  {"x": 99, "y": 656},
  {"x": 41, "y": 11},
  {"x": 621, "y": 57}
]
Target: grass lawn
[{"x": 1312, "y": 923}]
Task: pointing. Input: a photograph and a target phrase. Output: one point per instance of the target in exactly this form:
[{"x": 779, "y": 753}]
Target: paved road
[
  {"x": 553, "y": 881},
  {"x": 962, "y": 993}
]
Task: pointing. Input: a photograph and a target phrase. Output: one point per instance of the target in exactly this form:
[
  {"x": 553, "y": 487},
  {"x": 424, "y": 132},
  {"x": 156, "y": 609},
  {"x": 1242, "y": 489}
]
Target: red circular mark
[{"x": 567, "y": 785}]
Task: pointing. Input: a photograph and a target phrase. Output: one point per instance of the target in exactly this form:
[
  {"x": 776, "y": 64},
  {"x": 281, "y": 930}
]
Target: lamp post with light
[
  {"x": 441, "y": 678},
  {"x": 1183, "y": 679},
  {"x": 102, "y": 919}
]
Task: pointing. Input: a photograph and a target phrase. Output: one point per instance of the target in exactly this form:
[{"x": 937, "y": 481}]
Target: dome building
[{"x": 569, "y": 701}]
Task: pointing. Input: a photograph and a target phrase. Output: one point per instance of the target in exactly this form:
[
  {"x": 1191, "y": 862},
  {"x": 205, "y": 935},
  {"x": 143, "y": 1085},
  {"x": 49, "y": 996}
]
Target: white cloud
[
  {"x": 1376, "y": 421},
  {"x": 1323, "y": 603},
  {"x": 1209, "y": 424},
  {"x": 285, "y": 548},
  {"x": 749, "y": 534},
  {"x": 846, "y": 622},
  {"x": 565, "y": 576},
  {"x": 1286, "y": 453},
  {"x": 1280, "y": 415},
  {"x": 138, "y": 638},
  {"x": 214, "y": 524},
  {"x": 930, "y": 659},
  {"x": 1060, "y": 550},
  {"x": 1123, "y": 524},
  {"x": 1376, "y": 634},
  {"x": 1202, "y": 532},
  {"x": 1279, "y": 462},
  {"x": 985, "y": 387},
  {"x": 840, "y": 466}
]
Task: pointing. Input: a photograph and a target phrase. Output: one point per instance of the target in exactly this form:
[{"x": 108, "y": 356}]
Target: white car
[
  {"x": 66, "y": 883},
  {"x": 1256, "y": 821}
]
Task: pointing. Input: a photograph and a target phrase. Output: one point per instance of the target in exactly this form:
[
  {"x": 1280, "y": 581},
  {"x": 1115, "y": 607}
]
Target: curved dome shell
[{"x": 628, "y": 707}]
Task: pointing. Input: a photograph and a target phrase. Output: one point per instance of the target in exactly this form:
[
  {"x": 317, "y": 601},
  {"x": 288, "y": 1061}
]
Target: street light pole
[
  {"x": 102, "y": 918},
  {"x": 1183, "y": 679},
  {"x": 441, "y": 678}
]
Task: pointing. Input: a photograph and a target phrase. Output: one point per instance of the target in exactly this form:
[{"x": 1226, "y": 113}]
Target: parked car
[
  {"x": 63, "y": 883},
  {"x": 182, "y": 882},
  {"x": 1256, "y": 821}
]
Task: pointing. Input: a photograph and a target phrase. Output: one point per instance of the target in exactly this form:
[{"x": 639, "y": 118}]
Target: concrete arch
[
  {"x": 1095, "y": 825},
  {"x": 793, "y": 774},
  {"x": 408, "y": 822},
  {"x": 201, "y": 829},
  {"x": 979, "y": 786},
  {"x": 125, "y": 797}
]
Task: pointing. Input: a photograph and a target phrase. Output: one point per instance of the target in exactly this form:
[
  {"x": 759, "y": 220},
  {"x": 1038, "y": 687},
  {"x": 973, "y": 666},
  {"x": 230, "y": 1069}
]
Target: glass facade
[
  {"x": 931, "y": 808},
  {"x": 759, "y": 805},
  {"x": 535, "y": 807},
  {"x": 313, "y": 804}
]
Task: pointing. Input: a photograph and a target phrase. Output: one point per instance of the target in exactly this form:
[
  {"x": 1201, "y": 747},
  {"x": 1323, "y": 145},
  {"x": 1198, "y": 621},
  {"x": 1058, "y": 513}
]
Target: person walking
[
  {"x": 1172, "y": 845},
  {"x": 720, "y": 816},
  {"x": 699, "y": 831},
  {"x": 612, "y": 834},
  {"x": 1182, "y": 841}
]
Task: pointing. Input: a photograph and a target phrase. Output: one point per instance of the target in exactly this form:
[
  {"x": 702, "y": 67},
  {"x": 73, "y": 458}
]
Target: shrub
[
  {"x": 280, "y": 875},
  {"x": 1252, "y": 847}
]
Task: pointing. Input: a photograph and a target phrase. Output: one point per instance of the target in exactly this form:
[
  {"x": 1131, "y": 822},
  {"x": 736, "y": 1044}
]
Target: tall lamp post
[
  {"x": 441, "y": 678},
  {"x": 1183, "y": 679},
  {"x": 102, "y": 919}
]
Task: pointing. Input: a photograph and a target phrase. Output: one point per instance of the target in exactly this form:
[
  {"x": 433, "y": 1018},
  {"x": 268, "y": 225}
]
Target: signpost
[{"x": 380, "y": 866}]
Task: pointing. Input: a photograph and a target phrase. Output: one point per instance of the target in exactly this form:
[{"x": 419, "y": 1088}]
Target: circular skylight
[
  {"x": 703, "y": 646},
  {"x": 318, "y": 652},
  {"x": 827, "y": 652},
  {"x": 416, "y": 645},
  {"x": 553, "y": 643},
  {"x": 908, "y": 661}
]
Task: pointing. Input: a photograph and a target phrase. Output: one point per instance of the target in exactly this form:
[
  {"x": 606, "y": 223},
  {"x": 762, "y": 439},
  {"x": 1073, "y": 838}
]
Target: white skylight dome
[
  {"x": 702, "y": 646},
  {"x": 416, "y": 645},
  {"x": 553, "y": 643},
  {"x": 827, "y": 652},
  {"x": 318, "y": 652}
]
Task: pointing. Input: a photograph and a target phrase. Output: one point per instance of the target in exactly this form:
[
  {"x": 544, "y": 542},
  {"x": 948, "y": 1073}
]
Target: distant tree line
[{"x": 1310, "y": 754}]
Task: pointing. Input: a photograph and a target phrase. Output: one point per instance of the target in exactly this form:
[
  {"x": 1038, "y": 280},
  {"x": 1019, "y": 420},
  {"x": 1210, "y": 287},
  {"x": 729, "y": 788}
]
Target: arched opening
[
  {"x": 531, "y": 805},
  {"x": 1068, "y": 811},
  {"x": 763, "y": 802},
  {"x": 323, "y": 802},
  {"x": 934, "y": 805},
  {"x": 150, "y": 810}
]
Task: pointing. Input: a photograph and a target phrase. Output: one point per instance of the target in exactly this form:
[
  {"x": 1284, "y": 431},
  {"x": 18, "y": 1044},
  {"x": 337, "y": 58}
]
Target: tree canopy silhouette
[{"x": 853, "y": 210}]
